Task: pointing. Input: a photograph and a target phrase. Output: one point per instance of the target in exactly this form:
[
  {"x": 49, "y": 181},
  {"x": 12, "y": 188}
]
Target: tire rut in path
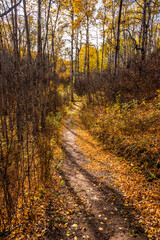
[{"x": 104, "y": 216}]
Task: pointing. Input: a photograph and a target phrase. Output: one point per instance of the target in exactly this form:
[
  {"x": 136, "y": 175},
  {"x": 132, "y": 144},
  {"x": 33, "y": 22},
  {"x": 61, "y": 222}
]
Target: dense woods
[{"x": 54, "y": 51}]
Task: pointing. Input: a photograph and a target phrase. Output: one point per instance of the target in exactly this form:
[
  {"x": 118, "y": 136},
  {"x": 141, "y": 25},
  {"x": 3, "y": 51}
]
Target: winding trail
[{"x": 103, "y": 215}]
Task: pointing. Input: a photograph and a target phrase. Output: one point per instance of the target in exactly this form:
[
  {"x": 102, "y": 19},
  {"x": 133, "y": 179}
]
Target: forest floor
[
  {"x": 91, "y": 194},
  {"x": 100, "y": 212}
]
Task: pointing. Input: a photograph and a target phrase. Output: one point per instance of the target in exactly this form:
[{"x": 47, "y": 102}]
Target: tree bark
[
  {"x": 72, "y": 38},
  {"x": 40, "y": 67},
  {"x": 117, "y": 48},
  {"x": 10, "y": 9},
  {"x": 55, "y": 59}
]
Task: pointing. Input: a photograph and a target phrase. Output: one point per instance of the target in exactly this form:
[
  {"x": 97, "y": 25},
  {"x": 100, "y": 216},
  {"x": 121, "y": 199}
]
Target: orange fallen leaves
[{"x": 144, "y": 196}]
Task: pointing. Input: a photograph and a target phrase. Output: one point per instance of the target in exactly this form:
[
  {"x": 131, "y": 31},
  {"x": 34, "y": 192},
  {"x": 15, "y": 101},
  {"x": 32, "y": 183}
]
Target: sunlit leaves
[
  {"x": 127, "y": 175},
  {"x": 92, "y": 58}
]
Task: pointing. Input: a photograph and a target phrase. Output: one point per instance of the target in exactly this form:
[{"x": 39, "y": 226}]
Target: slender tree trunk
[
  {"x": 79, "y": 49},
  {"x": 87, "y": 44},
  {"x": 103, "y": 42},
  {"x": 54, "y": 71},
  {"x": 117, "y": 48},
  {"x": 97, "y": 52},
  {"x": 40, "y": 67},
  {"x": 144, "y": 31},
  {"x": 88, "y": 65},
  {"x": 151, "y": 36},
  {"x": 30, "y": 73},
  {"x": 17, "y": 78},
  {"x": 76, "y": 59},
  {"x": 72, "y": 37},
  {"x": 46, "y": 36},
  {"x": 44, "y": 63},
  {"x": 103, "y": 39},
  {"x": 86, "y": 50},
  {"x": 55, "y": 58}
]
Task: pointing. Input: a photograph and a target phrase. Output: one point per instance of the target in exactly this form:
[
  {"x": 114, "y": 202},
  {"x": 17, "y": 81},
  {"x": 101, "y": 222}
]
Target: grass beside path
[{"x": 127, "y": 177}]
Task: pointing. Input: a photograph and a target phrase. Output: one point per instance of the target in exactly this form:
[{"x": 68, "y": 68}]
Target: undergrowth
[
  {"x": 131, "y": 130},
  {"x": 137, "y": 193},
  {"x": 40, "y": 186}
]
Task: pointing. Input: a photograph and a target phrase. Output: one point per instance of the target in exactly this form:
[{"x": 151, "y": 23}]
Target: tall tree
[
  {"x": 117, "y": 45},
  {"x": 72, "y": 39}
]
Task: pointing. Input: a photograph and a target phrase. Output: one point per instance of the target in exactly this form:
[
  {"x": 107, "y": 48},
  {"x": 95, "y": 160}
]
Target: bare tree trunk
[
  {"x": 55, "y": 59},
  {"x": 40, "y": 67},
  {"x": 79, "y": 49},
  {"x": 45, "y": 63},
  {"x": 54, "y": 70},
  {"x": 103, "y": 42},
  {"x": 88, "y": 66},
  {"x": 103, "y": 39},
  {"x": 72, "y": 37},
  {"x": 30, "y": 72},
  {"x": 97, "y": 52},
  {"x": 17, "y": 78},
  {"x": 86, "y": 50},
  {"x": 117, "y": 47},
  {"x": 46, "y": 36},
  {"x": 144, "y": 33},
  {"x": 87, "y": 44},
  {"x": 151, "y": 36},
  {"x": 76, "y": 58},
  {"x": 28, "y": 36}
]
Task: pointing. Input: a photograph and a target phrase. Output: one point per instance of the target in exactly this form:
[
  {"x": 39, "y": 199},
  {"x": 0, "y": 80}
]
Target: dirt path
[{"x": 103, "y": 215}]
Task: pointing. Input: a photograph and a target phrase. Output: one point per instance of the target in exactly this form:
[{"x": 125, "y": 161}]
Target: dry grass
[
  {"x": 127, "y": 176},
  {"x": 130, "y": 130}
]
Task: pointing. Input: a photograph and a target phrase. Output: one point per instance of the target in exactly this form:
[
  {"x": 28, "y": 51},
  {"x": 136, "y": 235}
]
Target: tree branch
[
  {"x": 10, "y": 9},
  {"x": 138, "y": 4},
  {"x": 133, "y": 39}
]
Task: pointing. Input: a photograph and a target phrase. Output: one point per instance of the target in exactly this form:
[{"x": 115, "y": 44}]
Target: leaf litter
[
  {"x": 138, "y": 193},
  {"x": 56, "y": 212}
]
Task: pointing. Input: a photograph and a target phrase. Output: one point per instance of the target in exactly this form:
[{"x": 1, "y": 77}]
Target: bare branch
[
  {"x": 134, "y": 40},
  {"x": 138, "y": 4},
  {"x": 10, "y": 9}
]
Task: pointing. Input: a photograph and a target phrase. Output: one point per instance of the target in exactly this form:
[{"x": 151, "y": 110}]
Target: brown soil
[{"x": 102, "y": 214}]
